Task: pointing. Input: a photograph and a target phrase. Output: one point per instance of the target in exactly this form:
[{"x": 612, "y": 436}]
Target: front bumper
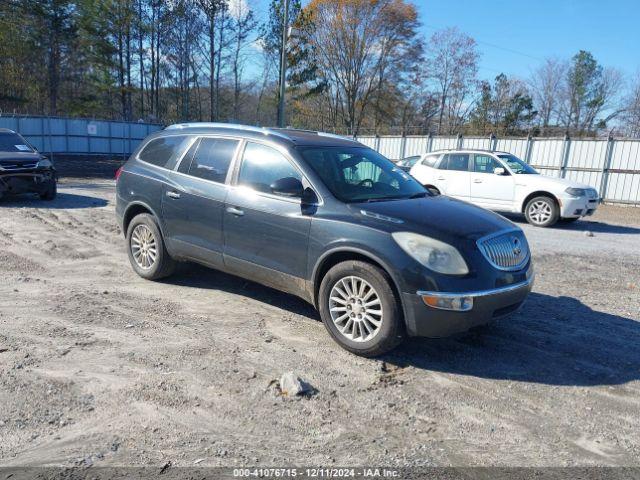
[
  {"x": 33, "y": 181},
  {"x": 488, "y": 305},
  {"x": 572, "y": 207}
]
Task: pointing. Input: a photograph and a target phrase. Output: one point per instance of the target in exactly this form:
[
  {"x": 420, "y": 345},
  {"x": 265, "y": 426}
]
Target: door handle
[
  {"x": 477, "y": 180},
  {"x": 235, "y": 211},
  {"x": 440, "y": 178},
  {"x": 172, "y": 194}
]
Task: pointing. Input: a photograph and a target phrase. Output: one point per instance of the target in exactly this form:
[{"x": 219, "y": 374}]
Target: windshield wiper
[{"x": 396, "y": 197}]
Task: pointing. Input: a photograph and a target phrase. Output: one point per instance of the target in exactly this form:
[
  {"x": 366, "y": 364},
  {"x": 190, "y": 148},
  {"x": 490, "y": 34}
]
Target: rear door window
[
  {"x": 211, "y": 159},
  {"x": 163, "y": 152},
  {"x": 456, "y": 162}
]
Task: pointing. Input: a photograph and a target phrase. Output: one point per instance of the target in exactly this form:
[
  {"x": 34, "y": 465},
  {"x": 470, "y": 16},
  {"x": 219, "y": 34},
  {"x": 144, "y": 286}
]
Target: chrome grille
[{"x": 505, "y": 250}]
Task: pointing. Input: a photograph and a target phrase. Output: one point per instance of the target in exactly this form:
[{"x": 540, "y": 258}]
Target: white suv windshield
[{"x": 517, "y": 166}]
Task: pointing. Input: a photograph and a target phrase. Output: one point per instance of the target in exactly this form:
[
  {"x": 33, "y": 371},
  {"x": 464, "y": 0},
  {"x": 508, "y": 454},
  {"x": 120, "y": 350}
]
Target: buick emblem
[{"x": 517, "y": 249}]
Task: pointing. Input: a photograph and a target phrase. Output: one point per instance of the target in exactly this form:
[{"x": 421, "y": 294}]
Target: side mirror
[
  {"x": 287, "y": 187},
  {"x": 499, "y": 171}
]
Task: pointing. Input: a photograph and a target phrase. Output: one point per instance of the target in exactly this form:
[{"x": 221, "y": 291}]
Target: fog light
[{"x": 458, "y": 304}]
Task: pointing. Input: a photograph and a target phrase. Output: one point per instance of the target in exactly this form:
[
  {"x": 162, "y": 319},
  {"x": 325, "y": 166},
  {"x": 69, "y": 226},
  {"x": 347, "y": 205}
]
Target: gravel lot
[{"x": 99, "y": 367}]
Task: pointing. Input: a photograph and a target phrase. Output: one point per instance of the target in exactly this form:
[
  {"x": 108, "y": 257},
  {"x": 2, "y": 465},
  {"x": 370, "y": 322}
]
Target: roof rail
[
  {"x": 335, "y": 135},
  {"x": 317, "y": 132},
  {"x": 231, "y": 126}
]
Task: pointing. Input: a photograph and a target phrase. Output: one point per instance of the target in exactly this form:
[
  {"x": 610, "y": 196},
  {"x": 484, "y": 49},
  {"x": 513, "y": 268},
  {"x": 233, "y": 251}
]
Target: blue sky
[
  {"x": 514, "y": 36},
  {"x": 528, "y": 32}
]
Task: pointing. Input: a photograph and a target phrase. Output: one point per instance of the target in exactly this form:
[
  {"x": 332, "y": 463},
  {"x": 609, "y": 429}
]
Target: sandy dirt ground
[{"x": 99, "y": 367}]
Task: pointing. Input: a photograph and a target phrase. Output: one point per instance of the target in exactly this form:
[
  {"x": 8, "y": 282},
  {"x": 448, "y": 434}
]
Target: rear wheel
[
  {"x": 145, "y": 245},
  {"x": 542, "y": 211},
  {"x": 50, "y": 192},
  {"x": 359, "y": 308}
]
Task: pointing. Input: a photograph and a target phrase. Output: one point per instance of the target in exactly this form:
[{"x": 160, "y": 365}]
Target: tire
[
  {"x": 366, "y": 339},
  {"x": 542, "y": 211},
  {"x": 144, "y": 236},
  {"x": 51, "y": 191}
]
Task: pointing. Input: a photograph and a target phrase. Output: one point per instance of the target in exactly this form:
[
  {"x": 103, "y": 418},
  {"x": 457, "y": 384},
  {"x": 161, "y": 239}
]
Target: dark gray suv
[{"x": 324, "y": 218}]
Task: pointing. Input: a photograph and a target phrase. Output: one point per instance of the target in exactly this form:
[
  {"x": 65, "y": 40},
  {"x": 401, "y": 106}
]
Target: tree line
[{"x": 354, "y": 67}]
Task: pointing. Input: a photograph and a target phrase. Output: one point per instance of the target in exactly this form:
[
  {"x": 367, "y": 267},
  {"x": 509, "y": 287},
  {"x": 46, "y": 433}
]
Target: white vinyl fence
[
  {"x": 79, "y": 136},
  {"x": 612, "y": 166}
]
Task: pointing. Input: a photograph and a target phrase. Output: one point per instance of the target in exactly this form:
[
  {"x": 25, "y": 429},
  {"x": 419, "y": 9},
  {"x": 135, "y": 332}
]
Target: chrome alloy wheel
[
  {"x": 540, "y": 212},
  {"x": 143, "y": 246},
  {"x": 355, "y": 309}
]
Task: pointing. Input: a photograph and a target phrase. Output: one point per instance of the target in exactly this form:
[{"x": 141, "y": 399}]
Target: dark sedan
[{"x": 23, "y": 169}]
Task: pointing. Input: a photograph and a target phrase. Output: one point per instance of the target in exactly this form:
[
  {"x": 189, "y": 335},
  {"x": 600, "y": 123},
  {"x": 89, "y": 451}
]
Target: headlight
[
  {"x": 433, "y": 254},
  {"x": 576, "y": 192},
  {"x": 44, "y": 163}
]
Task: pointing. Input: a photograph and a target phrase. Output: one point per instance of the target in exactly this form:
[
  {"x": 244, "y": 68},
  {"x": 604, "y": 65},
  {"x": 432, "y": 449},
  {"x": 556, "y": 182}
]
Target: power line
[{"x": 511, "y": 50}]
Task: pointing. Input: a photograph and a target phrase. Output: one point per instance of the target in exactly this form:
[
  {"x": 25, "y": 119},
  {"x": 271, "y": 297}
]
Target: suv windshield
[
  {"x": 359, "y": 174},
  {"x": 12, "y": 142},
  {"x": 517, "y": 166}
]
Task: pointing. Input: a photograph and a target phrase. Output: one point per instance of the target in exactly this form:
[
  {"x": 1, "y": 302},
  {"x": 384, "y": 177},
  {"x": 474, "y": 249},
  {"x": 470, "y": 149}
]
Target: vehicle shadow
[
  {"x": 62, "y": 201},
  {"x": 196, "y": 276},
  {"x": 552, "y": 340},
  {"x": 582, "y": 225}
]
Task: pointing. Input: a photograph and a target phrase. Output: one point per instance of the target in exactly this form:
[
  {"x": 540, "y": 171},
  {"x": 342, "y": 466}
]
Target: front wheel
[
  {"x": 145, "y": 245},
  {"x": 542, "y": 212},
  {"x": 360, "y": 310},
  {"x": 50, "y": 192}
]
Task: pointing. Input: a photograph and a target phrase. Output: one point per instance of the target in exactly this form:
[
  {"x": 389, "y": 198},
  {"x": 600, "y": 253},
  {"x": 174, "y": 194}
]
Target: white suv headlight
[
  {"x": 576, "y": 192},
  {"x": 433, "y": 254}
]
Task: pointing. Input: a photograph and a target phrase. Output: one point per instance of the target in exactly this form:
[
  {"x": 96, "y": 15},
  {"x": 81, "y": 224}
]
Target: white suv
[{"x": 501, "y": 181}]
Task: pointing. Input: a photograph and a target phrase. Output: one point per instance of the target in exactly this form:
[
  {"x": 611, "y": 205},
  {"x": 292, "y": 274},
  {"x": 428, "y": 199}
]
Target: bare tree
[
  {"x": 452, "y": 64},
  {"x": 631, "y": 116},
  {"x": 211, "y": 10},
  {"x": 546, "y": 85},
  {"x": 243, "y": 25},
  {"x": 358, "y": 42}
]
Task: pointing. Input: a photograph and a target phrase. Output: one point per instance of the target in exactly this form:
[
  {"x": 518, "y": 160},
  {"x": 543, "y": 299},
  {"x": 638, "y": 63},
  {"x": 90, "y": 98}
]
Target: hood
[
  {"x": 19, "y": 157},
  {"x": 537, "y": 180},
  {"x": 439, "y": 217}
]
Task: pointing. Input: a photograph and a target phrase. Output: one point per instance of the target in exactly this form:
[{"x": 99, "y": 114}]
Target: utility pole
[{"x": 283, "y": 64}]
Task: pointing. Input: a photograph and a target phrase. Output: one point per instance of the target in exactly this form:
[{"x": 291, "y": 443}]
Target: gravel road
[{"x": 99, "y": 367}]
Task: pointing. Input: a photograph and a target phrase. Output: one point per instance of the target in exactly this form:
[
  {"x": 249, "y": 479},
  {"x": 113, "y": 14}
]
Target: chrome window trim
[
  {"x": 480, "y": 293},
  {"x": 498, "y": 234}
]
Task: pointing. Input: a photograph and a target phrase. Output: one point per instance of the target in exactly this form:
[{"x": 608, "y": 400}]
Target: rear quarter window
[{"x": 163, "y": 151}]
